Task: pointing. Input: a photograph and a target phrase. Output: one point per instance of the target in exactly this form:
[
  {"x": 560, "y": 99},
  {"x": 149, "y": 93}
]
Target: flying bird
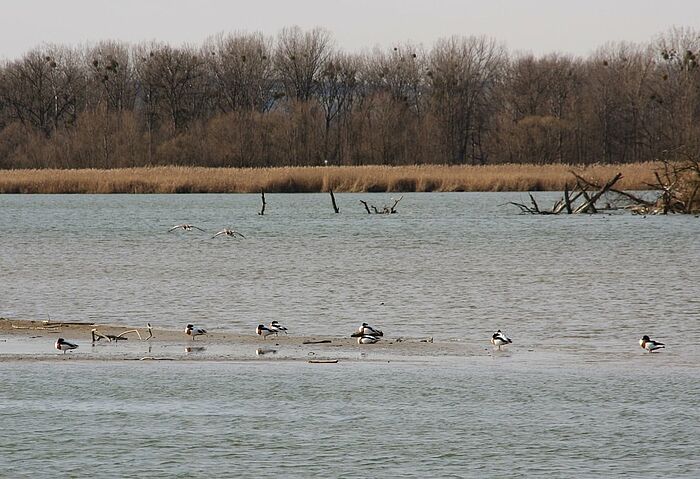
[
  {"x": 63, "y": 345},
  {"x": 499, "y": 339},
  {"x": 649, "y": 344},
  {"x": 194, "y": 331},
  {"x": 228, "y": 232},
  {"x": 185, "y": 227}
]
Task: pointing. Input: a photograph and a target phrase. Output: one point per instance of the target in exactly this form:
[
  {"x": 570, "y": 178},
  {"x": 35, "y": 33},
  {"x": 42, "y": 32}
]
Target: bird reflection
[
  {"x": 261, "y": 351},
  {"x": 195, "y": 349}
]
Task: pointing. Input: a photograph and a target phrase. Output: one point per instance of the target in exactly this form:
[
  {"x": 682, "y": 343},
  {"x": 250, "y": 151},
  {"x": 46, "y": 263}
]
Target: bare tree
[
  {"x": 242, "y": 70},
  {"x": 678, "y": 88},
  {"x": 112, "y": 76},
  {"x": 338, "y": 84},
  {"x": 300, "y": 59},
  {"x": 539, "y": 106},
  {"x": 399, "y": 72},
  {"x": 171, "y": 82},
  {"x": 464, "y": 76},
  {"x": 44, "y": 88}
]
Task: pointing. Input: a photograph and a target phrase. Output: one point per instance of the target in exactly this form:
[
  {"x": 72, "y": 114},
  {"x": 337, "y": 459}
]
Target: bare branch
[{"x": 262, "y": 209}]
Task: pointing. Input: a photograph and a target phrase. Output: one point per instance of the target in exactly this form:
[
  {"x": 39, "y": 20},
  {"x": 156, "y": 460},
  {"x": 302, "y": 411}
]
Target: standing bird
[
  {"x": 366, "y": 330},
  {"x": 63, "y": 345},
  {"x": 650, "y": 345},
  {"x": 277, "y": 327},
  {"x": 367, "y": 339},
  {"x": 185, "y": 227},
  {"x": 193, "y": 331},
  {"x": 264, "y": 331},
  {"x": 499, "y": 339},
  {"x": 228, "y": 232}
]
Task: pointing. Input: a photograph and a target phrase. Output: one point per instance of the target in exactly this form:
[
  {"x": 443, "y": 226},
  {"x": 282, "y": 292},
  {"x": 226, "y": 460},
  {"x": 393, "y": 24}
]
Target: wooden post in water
[
  {"x": 262, "y": 210},
  {"x": 335, "y": 206}
]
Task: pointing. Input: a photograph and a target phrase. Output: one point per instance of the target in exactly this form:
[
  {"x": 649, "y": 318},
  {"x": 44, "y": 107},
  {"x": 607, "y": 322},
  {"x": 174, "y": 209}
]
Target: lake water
[{"x": 573, "y": 396}]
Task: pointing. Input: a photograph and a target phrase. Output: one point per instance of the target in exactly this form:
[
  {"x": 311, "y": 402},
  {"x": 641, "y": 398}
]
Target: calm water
[
  {"x": 574, "y": 396},
  {"x": 482, "y": 418}
]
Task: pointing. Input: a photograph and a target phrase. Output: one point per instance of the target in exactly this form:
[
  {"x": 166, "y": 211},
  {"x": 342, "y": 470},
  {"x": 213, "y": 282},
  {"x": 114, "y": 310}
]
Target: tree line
[{"x": 250, "y": 100}]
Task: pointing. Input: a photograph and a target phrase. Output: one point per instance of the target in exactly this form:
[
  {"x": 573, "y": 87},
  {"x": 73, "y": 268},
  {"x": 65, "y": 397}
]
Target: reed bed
[{"x": 175, "y": 179}]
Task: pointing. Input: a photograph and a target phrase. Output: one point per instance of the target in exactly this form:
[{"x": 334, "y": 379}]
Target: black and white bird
[
  {"x": 192, "y": 330},
  {"x": 649, "y": 344},
  {"x": 228, "y": 232},
  {"x": 500, "y": 339},
  {"x": 63, "y": 345},
  {"x": 264, "y": 331},
  {"x": 277, "y": 327},
  {"x": 366, "y": 330},
  {"x": 367, "y": 339},
  {"x": 185, "y": 227}
]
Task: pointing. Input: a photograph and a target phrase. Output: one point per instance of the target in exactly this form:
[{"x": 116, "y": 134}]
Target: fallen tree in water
[
  {"x": 679, "y": 186},
  {"x": 385, "y": 210},
  {"x": 568, "y": 203},
  {"x": 677, "y": 181}
]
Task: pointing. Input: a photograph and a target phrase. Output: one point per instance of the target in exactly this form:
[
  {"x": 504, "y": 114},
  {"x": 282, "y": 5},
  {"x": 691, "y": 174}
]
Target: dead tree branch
[
  {"x": 386, "y": 210},
  {"x": 392, "y": 210},
  {"x": 335, "y": 206},
  {"x": 589, "y": 205},
  {"x": 262, "y": 209},
  {"x": 366, "y": 207}
]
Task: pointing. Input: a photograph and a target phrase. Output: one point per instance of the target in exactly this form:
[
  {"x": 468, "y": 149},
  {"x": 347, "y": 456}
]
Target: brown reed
[{"x": 176, "y": 179}]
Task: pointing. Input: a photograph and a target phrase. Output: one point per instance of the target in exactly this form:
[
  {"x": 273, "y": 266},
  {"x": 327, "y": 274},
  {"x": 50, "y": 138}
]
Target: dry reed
[{"x": 174, "y": 179}]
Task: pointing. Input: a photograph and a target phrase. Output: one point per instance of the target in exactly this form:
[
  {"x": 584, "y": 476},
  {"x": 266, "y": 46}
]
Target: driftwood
[
  {"x": 385, "y": 210},
  {"x": 322, "y": 361},
  {"x": 322, "y": 341},
  {"x": 67, "y": 323},
  {"x": 567, "y": 203},
  {"x": 262, "y": 209},
  {"x": 366, "y": 207},
  {"x": 589, "y": 205},
  {"x": 335, "y": 205},
  {"x": 678, "y": 182},
  {"x": 96, "y": 336},
  {"x": 47, "y": 326}
]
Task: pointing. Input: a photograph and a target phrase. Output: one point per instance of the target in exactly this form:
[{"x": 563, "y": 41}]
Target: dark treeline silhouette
[{"x": 248, "y": 100}]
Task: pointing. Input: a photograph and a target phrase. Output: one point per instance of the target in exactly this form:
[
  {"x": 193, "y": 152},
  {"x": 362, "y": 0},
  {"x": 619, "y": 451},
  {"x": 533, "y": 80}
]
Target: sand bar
[{"x": 34, "y": 340}]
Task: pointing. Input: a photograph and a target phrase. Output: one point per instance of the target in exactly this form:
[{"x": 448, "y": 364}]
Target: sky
[{"x": 567, "y": 26}]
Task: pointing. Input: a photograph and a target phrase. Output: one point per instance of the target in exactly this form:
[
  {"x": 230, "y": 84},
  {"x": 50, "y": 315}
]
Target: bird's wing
[
  {"x": 239, "y": 234},
  {"x": 174, "y": 228},
  {"x": 197, "y": 227},
  {"x": 375, "y": 332},
  {"x": 219, "y": 234}
]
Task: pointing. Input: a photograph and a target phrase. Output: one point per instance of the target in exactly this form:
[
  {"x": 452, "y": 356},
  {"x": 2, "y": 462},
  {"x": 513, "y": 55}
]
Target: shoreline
[
  {"x": 341, "y": 179},
  {"x": 34, "y": 340}
]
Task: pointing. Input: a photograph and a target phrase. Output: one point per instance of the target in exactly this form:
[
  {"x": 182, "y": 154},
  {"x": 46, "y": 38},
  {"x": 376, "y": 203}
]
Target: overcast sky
[{"x": 570, "y": 26}]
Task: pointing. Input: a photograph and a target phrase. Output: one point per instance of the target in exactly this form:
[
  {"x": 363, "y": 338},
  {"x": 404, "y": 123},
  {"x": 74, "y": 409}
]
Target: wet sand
[{"x": 34, "y": 340}]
